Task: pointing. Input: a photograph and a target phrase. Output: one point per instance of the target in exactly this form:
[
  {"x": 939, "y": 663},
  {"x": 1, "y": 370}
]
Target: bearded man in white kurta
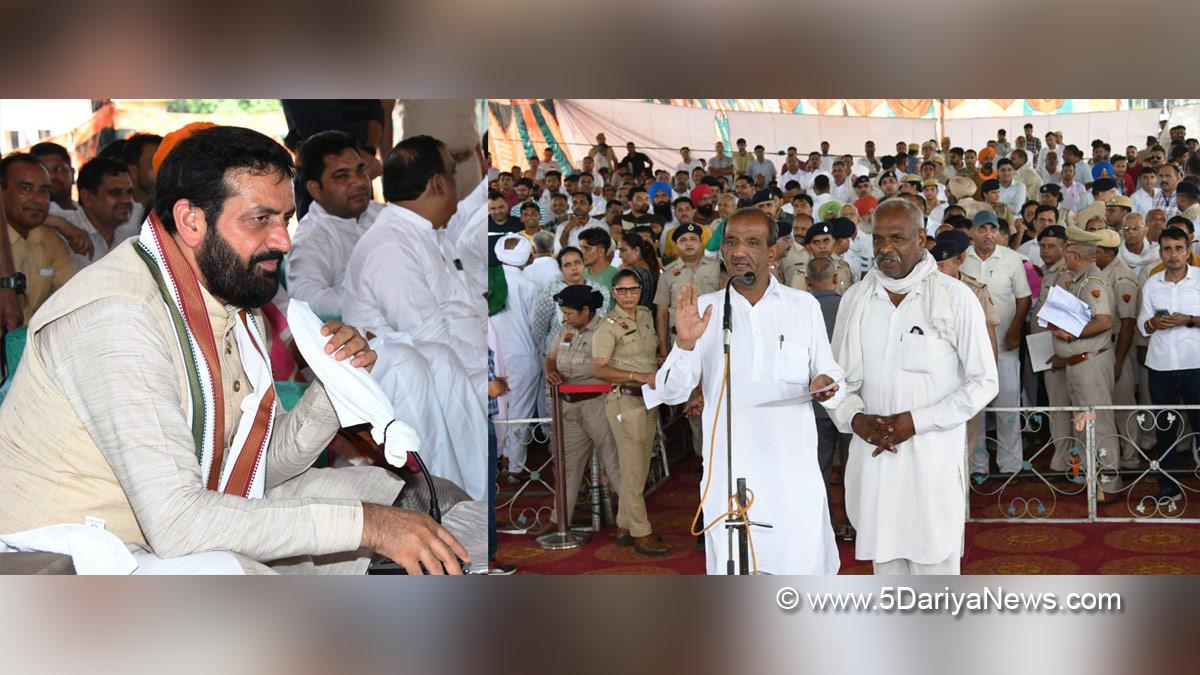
[
  {"x": 919, "y": 364},
  {"x": 779, "y": 355}
]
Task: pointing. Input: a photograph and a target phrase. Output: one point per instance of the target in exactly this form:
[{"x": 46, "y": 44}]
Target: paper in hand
[
  {"x": 650, "y": 397},
  {"x": 1064, "y": 311},
  {"x": 1041, "y": 348},
  {"x": 803, "y": 398}
]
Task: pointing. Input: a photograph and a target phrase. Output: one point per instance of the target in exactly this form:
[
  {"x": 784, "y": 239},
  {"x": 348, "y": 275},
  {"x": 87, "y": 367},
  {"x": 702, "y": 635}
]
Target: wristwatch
[{"x": 15, "y": 282}]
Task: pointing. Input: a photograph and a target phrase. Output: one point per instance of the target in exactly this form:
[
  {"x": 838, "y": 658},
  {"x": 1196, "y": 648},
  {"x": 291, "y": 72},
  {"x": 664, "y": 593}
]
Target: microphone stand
[{"x": 733, "y": 521}]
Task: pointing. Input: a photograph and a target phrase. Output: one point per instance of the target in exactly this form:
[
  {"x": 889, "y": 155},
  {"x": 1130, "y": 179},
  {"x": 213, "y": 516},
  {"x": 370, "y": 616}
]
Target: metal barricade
[{"x": 1036, "y": 494}]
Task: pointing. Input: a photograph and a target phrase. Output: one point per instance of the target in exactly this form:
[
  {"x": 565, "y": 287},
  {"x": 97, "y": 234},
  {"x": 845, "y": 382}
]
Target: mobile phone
[{"x": 1161, "y": 312}]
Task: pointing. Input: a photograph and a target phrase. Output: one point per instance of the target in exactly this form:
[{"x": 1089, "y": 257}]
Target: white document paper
[
  {"x": 1065, "y": 311},
  {"x": 650, "y": 397},
  {"x": 1041, "y": 348}
]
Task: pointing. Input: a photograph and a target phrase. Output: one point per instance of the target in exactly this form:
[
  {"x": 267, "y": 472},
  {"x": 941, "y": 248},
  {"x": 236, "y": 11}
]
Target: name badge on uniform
[{"x": 46, "y": 271}]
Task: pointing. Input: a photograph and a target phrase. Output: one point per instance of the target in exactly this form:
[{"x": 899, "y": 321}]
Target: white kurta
[
  {"x": 542, "y": 271},
  {"x": 403, "y": 276},
  {"x": 911, "y": 504},
  {"x": 316, "y": 265},
  {"x": 514, "y": 331},
  {"x": 775, "y": 446},
  {"x": 402, "y": 285}
]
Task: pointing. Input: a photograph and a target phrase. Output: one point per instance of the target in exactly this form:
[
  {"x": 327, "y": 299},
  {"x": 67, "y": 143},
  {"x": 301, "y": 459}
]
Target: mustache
[
  {"x": 887, "y": 257},
  {"x": 265, "y": 256}
]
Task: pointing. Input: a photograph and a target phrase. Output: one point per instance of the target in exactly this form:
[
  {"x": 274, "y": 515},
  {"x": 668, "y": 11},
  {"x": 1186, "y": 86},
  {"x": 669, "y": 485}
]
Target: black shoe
[
  {"x": 623, "y": 539},
  {"x": 1168, "y": 490}
]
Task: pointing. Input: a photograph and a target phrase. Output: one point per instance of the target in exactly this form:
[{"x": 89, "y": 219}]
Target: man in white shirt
[
  {"x": 688, "y": 163},
  {"x": 1000, "y": 269},
  {"x": 1136, "y": 250},
  {"x": 1012, "y": 191},
  {"x": 106, "y": 204},
  {"x": 1049, "y": 170},
  {"x": 918, "y": 359},
  {"x": 543, "y": 269},
  {"x": 794, "y": 171},
  {"x": 1170, "y": 318},
  {"x": 841, "y": 188},
  {"x": 1143, "y": 198},
  {"x": 335, "y": 176},
  {"x": 1074, "y": 194},
  {"x": 553, "y": 186},
  {"x": 522, "y": 356},
  {"x": 64, "y": 212},
  {"x": 567, "y": 233},
  {"x": 406, "y": 283}
]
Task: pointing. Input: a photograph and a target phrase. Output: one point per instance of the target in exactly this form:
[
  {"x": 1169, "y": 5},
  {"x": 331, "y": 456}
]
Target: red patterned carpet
[{"x": 991, "y": 548}]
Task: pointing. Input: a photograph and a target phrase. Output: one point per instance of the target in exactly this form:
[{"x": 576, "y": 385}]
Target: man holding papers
[{"x": 1083, "y": 351}]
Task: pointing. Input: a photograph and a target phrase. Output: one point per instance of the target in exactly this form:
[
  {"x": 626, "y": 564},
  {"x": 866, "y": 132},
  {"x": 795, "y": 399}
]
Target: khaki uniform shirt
[
  {"x": 628, "y": 342},
  {"x": 1082, "y": 216},
  {"x": 796, "y": 259},
  {"x": 1056, "y": 275},
  {"x": 985, "y": 299},
  {"x": 1124, "y": 285},
  {"x": 46, "y": 263},
  {"x": 571, "y": 350},
  {"x": 1092, "y": 288},
  {"x": 705, "y": 276},
  {"x": 845, "y": 276}
]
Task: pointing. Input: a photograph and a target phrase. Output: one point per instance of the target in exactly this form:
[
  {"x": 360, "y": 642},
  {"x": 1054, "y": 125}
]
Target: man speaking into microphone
[{"x": 780, "y": 361}]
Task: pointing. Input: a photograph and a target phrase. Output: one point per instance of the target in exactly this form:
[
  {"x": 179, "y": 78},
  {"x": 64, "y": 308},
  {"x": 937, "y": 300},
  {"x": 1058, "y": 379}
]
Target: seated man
[
  {"x": 106, "y": 197},
  {"x": 335, "y": 176},
  {"x": 407, "y": 284},
  {"x": 152, "y": 365},
  {"x": 37, "y": 251}
]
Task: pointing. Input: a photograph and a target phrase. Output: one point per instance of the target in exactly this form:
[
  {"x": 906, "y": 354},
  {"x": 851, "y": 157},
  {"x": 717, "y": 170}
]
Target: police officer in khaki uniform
[
  {"x": 1124, "y": 285},
  {"x": 584, "y": 419},
  {"x": 691, "y": 268},
  {"x": 1088, "y": 357},
  {"x": 819, "y": 242},
  {"x": 624, "y": 354},
  {"x": 1103, "y": 189},
  {"x": 950, "y": 250},
  {"x": 797, "y": 255},
  {"x": 783, "y": 246},
  {"x": 1052, "y": 242},
  {"x": 843, "y": 230}
]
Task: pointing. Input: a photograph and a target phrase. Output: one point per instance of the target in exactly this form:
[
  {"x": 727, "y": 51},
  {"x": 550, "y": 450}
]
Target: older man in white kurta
[
  {"x": 919, "y": 364},
  {"x": 778, "y": 353}
]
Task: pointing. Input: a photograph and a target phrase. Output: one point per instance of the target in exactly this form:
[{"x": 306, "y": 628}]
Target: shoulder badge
[
  {"x": 1126, "y": 297},
  {"x": 625, "y": 325},
  {"x": 677, "y": 271},
  {"x": 567, "y": 337},
  {"x": 1095, "y": 292}
]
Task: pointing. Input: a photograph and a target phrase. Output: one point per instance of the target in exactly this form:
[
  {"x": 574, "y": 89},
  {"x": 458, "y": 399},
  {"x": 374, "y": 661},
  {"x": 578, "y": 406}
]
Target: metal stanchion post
[{"x": 564, "y": 538}]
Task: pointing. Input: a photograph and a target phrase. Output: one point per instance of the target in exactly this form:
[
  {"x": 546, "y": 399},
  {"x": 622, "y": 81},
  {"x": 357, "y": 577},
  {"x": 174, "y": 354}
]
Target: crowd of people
[
  {"x": 155, "y": 282},
  {"x": 628, "y": 249}
]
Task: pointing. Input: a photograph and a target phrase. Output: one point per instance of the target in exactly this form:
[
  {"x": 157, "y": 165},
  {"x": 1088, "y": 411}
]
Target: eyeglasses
[{"x": 626, "y": 290}]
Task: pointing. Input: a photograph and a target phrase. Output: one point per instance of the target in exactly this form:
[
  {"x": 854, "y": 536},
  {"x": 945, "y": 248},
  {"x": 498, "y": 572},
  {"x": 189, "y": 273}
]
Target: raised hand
[{"x": 689, "y": 325}]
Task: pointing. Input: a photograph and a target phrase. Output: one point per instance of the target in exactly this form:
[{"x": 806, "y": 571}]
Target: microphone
[{"x": 746, "y": 279}]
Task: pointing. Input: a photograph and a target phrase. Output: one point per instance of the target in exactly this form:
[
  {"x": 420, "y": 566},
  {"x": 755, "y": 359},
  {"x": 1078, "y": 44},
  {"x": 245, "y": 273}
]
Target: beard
[
  {"x": 663, "y": 211},
  {"x": 705, "y": 210},
  {"x": 239, "y": 283}
]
